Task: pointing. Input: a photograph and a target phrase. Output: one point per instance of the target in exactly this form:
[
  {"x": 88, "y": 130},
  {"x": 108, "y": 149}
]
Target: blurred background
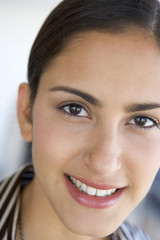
[{"x": 20, "y": 21}]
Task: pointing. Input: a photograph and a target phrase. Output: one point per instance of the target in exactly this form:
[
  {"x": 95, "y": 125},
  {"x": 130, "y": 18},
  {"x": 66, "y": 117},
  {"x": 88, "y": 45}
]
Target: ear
[{"x": 24, "y": 112}]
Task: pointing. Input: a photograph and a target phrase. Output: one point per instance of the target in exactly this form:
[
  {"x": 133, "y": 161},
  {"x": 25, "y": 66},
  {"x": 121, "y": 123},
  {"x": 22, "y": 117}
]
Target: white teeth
[
  {"x": 83, "y": 187},
  {"x": 91, "y": 191},
  {"x": 113, "y": 190},
  {"x": 108, "y": 192},
  {"x": 78, "y": 183},
  {"x": 101, "y": 193},
  {"x": 73, "y": 179}
]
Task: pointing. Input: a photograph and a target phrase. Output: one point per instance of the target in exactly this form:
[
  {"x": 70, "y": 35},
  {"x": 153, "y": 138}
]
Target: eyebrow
[
  {"x": 141, "y": 107},
  {"x": 95, "y": 102},
  {"x": 91, "y": 99}
]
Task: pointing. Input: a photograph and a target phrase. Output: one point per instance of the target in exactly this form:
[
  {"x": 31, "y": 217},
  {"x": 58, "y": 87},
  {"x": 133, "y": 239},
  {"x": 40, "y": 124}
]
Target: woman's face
[{"x": 96, "y": 118}]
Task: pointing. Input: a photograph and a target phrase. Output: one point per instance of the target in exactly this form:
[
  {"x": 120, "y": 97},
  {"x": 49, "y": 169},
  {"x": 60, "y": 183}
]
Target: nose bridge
[{"x": 105, "y": 152}]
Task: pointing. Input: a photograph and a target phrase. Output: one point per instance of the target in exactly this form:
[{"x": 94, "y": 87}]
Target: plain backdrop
[{"x": 20, "y": 21}]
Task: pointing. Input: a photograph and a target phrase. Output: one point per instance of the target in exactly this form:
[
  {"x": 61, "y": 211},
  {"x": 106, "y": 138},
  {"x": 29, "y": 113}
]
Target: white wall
[{"x": 20, "y": 21}]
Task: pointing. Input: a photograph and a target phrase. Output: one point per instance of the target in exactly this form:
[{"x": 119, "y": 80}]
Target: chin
[{"x": 101, "y": 230}]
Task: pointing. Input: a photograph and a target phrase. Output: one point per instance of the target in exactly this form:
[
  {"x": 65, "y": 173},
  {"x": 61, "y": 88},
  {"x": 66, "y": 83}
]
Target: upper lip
[{"x": 96, "y": 185}]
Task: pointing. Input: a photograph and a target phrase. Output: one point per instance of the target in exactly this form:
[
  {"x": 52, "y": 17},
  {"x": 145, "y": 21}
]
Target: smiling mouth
[{"x": 82, "y": 187}]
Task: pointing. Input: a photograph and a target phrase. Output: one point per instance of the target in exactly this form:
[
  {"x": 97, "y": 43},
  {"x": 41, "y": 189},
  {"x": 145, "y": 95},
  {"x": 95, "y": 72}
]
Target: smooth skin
[{"x": 112, "y": 138}]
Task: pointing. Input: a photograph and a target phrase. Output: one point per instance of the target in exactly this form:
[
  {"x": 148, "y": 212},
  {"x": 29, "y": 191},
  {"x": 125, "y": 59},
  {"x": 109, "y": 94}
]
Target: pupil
[
  {"x": 74, "y": 109},
  {"x": 140, "y": 121}
]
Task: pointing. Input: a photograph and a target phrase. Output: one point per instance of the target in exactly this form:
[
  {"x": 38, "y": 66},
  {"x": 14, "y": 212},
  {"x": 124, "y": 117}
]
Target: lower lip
[{"x": 93, "y": 201}]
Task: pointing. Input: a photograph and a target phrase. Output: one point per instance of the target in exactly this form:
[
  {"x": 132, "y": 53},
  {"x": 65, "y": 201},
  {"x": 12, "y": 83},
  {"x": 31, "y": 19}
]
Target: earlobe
[{"x": 24, "y": 112}]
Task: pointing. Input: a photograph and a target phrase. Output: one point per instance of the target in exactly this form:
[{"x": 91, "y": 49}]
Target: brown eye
[
  {"x": 144, "y": 122},
  {"x": 141, "y": 121},
  {"x": 74, "y": 109}
]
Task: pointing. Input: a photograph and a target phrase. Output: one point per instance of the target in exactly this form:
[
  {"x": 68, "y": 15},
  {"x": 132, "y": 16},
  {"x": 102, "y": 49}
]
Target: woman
[{"x": 93, "y": 120}]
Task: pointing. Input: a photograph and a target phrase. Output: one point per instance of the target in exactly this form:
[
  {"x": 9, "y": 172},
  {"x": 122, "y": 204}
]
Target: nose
[{"x": 104, "y": 156}]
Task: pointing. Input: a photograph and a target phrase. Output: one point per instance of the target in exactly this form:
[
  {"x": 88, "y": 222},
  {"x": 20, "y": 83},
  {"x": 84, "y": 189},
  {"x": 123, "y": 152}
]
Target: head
[{"x": 89, "y": 108}]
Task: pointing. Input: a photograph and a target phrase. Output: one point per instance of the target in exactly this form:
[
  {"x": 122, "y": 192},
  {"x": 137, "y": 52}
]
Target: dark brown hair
[{"x": 74, "y": 16}]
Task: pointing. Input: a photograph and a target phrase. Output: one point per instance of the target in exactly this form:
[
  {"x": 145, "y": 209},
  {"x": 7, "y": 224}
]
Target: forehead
[
  {"x": 128, "y": 48},
  {"x": 129, "y": 40},
  {"x": 128, "y": 60}
]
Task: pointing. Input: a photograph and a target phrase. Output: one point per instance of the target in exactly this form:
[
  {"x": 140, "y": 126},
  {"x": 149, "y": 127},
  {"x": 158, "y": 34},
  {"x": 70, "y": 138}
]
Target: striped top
[{"x": 10, "y": 190}]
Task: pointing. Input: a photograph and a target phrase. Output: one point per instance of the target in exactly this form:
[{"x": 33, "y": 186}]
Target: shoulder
[
  {"x": 129, "y": 232},
  {"x": 10, "y": 189}
]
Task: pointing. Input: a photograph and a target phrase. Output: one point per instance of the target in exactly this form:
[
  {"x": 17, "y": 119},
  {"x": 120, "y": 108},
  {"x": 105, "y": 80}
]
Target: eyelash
[{"x": 156, "y": 123}]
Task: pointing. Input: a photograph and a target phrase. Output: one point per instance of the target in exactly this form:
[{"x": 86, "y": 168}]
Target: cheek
[
  {"x": 54, "y": 144},
  {"x": 143, "y": 157}
]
